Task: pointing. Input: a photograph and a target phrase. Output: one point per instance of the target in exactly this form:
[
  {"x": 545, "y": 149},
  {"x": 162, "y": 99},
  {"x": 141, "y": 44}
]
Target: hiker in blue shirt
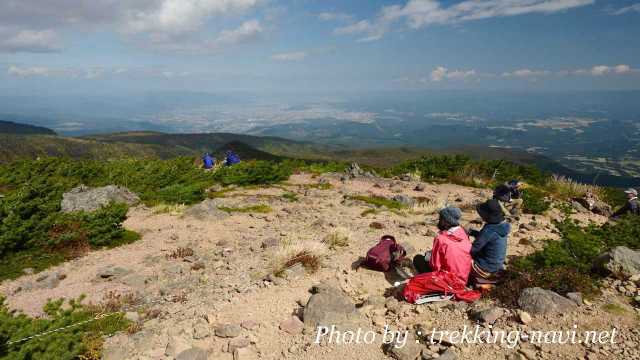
[
  {"x": 208, "y": 161},
  {"x": 232, "y": 158},
  {"x": 490, "y": 247}
]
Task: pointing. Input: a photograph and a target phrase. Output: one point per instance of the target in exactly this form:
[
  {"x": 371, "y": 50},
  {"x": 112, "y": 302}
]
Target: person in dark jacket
[
  {"x": 231, "y": 158},
  {"x": 631, "y": 207},
  {"x": 490, "y": 246}
]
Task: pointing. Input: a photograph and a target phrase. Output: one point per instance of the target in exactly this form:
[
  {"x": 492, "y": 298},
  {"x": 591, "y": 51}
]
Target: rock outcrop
[{"x": 83, "y": 198}]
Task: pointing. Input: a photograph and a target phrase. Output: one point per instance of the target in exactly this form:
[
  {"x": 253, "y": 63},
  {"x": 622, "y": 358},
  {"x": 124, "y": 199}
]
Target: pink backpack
[{"x": 385, "y": 254}]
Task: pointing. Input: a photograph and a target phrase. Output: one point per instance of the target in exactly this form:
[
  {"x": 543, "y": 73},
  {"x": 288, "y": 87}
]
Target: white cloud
[
  {"x": 291, "y": 56},
  {"x": 162, "y": 24},
  {"x": 626, "y": 9},
  {"x": 331, "y": 16},
  {"x": 601, "y": 70},
  {"x": 420, "y": 13},
  {"x": 526, "y": 73},
  {"x": 442, "y": 73},
  {"x": 29, "y": 41},
  {"x": 31, "y": 71},
  {"x": 247, "y": 31},
  {"x": 180, "y": 16}
]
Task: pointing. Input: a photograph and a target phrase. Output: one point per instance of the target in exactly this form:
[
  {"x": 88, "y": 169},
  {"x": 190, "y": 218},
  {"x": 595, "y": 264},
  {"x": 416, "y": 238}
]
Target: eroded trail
[{"x": 203, "y": 287}]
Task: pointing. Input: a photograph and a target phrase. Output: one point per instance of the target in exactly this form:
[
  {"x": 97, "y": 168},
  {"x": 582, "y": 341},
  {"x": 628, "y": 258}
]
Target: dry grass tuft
[
  {"x": 171, "y": 209},
  {"x": 180, "y": 253},
  {"x": 338, "y": 238},
  {"x": 564, "y": 188},
  {"x": 308, "y": 253}
]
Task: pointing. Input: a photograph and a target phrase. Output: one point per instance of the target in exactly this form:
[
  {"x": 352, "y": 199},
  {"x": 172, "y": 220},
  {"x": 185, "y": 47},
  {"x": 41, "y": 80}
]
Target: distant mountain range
[{"x": 24, "y": 141}]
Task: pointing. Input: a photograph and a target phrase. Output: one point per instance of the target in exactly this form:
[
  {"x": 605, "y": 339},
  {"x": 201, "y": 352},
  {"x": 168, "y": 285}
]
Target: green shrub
[
  {"x": 71, "y": 343},
  {"x": 253, "y": 173},
  {"x": 565, "y": 265},
  {"x": 534, "y": 201}
]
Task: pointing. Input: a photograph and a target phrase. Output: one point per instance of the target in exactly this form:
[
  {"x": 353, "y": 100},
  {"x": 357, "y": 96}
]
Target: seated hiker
[
  {"x": 208, "y": 161},
  {"x": 502, "y": 194},
  {"x": 451, "y": 248},
  {"x": 515, "y": 188},
  {"x": 631, "y": 207},
  {"x": 490, "y": 246},
  {"x": 231, "y": 158}
]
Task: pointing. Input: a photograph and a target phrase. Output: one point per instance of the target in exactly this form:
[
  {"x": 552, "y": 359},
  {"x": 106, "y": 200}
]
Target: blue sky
[{"x": 109, "y": 46}]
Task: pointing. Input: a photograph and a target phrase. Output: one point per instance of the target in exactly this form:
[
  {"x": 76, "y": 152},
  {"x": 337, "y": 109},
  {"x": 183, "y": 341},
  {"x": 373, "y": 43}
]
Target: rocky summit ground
[{"x": 199, "y": 282}]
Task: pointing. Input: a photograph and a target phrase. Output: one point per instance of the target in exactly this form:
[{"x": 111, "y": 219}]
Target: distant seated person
[
  {"x": 502, "y": 193},
  {"x": 490, "y": 246},
  {"x": 451, "y": 247},
  {"x": 631, "y": 207},
  {"x": 515, "y": 186},
  {"x": 231, "y": 158},
  {"x": 208, "y": 161}
]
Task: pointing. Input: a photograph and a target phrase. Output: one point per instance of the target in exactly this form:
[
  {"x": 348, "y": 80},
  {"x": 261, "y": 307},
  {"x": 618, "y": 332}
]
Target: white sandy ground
[{"x": 230, "y": 289}]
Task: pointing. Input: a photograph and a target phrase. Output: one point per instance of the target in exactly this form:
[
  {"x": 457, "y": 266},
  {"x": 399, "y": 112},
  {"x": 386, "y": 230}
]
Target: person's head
[
  {"x": 449, "y": 217},
  {"x": 631, "y": 193},
  {"x": 514, "y": 183},
  {"x": 490, "y": 212},
  {"x": 502, "y": 193}
]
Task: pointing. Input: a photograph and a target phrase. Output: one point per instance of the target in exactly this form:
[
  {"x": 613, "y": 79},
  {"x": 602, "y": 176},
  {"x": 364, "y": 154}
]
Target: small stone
[
  {"x": 270, "y": 243},
  {"x": 201, "y": 330},
  {"x": 237, "y": 343},
  {"x": 228, "y": 331},
  {"x": 530, "y": 354},
  {"x": 419, "y": 187},
  {"x": 294, "y": 272},
  {"x": 292, "y": 326},
  {"x": 244, "y": 354},
  {"x": 175, "y": 346},
  {"x": 193, "y": 354},
  {"x": 576, "y": 297},
  {"x": 376, "y": 225},
  {"x": 448, "y": 354},
  {"x": 249, "y": 324},
  {"x": 490, "y": 315},
  {"x": 524, "y": 317},
  {"x": 132, "y": 316}
]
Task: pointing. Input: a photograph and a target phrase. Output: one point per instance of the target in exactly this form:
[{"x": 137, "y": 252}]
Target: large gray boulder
[
  {"x": 330, "y": 306},
  {"x": 206, "y": 210},
  {"x": 541, "y": 301},
  {"x": 620, "y": 261},
  {"x": 83, "y": 198}
]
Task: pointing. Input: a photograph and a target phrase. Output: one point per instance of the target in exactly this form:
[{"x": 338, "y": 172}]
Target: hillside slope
[
  {"x": 221, "y": 298},
  {"x": 10, "y": 127}
]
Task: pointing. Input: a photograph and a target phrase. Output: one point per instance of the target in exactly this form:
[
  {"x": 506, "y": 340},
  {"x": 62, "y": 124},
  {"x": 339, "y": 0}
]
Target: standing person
[
  {"x": 451, "y": 247},
  {"x": 631, "y": 207},
  {"x": 208, "y": 161},
  {"x": 490, "y": 246}
]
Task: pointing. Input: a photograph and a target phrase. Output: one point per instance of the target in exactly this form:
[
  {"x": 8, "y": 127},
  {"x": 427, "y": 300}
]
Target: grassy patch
[
  {"x": 290, "y": 197},
  {"x": 379, "y": 202},
  {"x": 12, "y": 266},
  {"x": 319, "y": 186},
  {"x": 262, "y": 209},
  {"x": 171, "y": 209},
  {"x": 615, "y": 309},
  {"x": 369, "y": 212}
]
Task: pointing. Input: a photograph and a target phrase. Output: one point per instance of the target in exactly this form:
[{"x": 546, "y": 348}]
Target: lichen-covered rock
[{"x": 83, "y": 198}]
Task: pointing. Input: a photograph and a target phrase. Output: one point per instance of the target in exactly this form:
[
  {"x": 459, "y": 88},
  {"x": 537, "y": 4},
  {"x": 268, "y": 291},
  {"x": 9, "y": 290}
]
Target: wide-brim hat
[{"x": 490, "y": 212}]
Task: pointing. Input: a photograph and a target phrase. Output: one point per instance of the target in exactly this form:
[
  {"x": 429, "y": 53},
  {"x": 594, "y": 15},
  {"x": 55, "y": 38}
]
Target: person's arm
[
  {"x": 481, "y": 240},
  {"x": 623, "y": 210},
  {"x": 436, "y": 255}
]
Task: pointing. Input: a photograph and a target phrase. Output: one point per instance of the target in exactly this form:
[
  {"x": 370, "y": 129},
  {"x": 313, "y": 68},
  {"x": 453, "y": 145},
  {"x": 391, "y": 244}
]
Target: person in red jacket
[{"x": 451, "y": 250}]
